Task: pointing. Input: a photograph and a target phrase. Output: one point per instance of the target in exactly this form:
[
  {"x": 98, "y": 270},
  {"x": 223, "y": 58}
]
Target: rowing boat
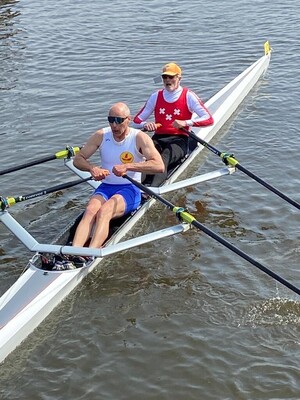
[{"x": 38, "y": 291}]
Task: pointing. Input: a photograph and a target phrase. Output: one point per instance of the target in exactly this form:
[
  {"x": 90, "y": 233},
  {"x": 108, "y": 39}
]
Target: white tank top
[{"x": 114, "y": 153}]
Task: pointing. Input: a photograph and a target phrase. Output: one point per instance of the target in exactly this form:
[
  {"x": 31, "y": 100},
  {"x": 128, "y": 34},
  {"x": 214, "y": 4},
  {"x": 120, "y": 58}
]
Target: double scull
[{"x": 38, "y": 290}]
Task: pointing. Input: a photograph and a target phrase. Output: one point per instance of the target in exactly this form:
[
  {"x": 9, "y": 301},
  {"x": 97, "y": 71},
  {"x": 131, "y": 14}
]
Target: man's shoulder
[
  {"x": 105, "y": 130},
  {"x": 137, "y": 132},
  {"x": 190, "y": 92},
  {"x": 98, "y": 136},
  {"x": 156, "y": 93}
]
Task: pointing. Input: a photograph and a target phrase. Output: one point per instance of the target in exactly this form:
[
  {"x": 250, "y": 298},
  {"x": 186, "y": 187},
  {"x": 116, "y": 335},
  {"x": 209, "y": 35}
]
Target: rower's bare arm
[
  {"x": 81, "y": 160},
  {"x": 154, "y": 163}
]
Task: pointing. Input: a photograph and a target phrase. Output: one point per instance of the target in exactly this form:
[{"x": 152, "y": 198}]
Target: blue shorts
[{"x": 131, "y": 194}]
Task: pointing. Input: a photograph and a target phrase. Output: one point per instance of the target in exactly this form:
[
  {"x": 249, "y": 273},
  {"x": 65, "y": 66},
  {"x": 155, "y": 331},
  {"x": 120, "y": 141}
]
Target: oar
[
  {"x": 9, "y": 201},
  {"x": 68, "y": 152},
  {"x": 183, "y": 215},
  {"x": 228, "y": 159}
]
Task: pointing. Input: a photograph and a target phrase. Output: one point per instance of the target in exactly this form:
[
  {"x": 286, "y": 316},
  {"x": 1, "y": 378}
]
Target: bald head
[{"x": 119, "y": 110}]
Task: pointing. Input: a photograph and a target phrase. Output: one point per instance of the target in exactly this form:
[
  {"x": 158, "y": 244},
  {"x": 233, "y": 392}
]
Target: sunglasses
[
  {"x": 168, "y": 76},
  {"x": 117, "y": 120}
]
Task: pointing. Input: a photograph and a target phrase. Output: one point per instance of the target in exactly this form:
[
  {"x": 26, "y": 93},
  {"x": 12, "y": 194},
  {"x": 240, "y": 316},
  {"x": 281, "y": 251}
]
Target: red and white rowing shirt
[
  {"x": 165, "y": 113},
  {"x": 182, "y": 104}
]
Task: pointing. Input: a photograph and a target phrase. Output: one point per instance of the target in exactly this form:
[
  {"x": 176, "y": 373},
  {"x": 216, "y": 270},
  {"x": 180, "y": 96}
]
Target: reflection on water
[
  {"x": 272, "y": 312},
  {"x": 10, "y": 45},
  {"x": 6, "y": 15}
]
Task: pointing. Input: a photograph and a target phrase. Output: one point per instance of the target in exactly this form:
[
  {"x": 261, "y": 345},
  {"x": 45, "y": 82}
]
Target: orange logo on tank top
[{"x": 126, "y": 157}]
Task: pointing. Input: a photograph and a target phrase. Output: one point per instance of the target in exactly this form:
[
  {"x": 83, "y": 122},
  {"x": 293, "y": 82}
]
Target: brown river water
[{"x": 183, "y": 318}]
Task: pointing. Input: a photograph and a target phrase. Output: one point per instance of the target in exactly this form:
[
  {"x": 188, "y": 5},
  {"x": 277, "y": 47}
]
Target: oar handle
[{"x": 147, "y": 130}]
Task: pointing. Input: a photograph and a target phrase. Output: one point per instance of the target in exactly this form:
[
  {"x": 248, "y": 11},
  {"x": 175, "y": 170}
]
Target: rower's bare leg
[
  {"x": 113, "y": 208},
  {"x": 85, "y": 226}
]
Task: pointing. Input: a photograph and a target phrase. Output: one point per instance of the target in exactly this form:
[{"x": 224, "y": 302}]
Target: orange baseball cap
[{"x": 171, "y": 69}]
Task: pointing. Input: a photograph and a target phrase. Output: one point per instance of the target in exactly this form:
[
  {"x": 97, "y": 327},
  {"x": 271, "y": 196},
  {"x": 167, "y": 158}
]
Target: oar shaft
[
  {"x": 9, "y": 201},
  {"x": 26, "y": 165},
  {"x": 232, "y": 161},
  {"x": 245, "y": 256},
  {"x": 188, "y": 218},
  {"x": 203, "y": 142},
  {"x": 52, "y": 189},
  {"x": 60, "y": 154},
  {"x": 268, "y": 186},
  {"x": 150, "y": 192}
]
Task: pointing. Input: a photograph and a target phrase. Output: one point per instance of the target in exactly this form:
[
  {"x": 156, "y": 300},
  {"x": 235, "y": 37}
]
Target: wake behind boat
[{"x": 40, "y": 289}]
